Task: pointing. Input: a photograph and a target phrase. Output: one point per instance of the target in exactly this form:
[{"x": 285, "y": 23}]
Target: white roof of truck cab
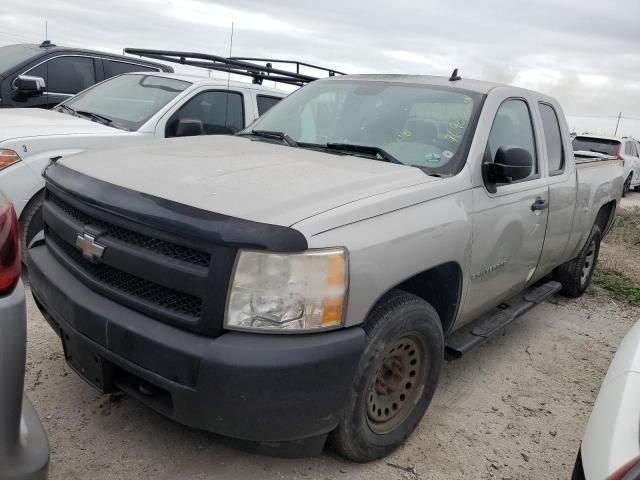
[{"x": 199, "y": 80}]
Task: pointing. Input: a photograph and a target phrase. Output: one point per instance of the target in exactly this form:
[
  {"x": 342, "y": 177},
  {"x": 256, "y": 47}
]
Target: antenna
[
  {"x": 46, "y": 29},
  {"x": 617, "y": 124},
  {"x": 226, "y": 112},
  {"x": 454, "y": 76}
]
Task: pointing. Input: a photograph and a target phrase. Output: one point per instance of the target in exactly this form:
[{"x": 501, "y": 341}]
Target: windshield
[
  {"x": 423, "y": 126},
  {"x": 127, "y": 101},
  {"x": 13, "y": 55},
  {"x": 597, "y": 145}
]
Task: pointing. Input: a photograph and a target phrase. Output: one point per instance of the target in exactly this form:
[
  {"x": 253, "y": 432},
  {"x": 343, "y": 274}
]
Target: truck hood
[
  {"x": 254, "y": 180},
  {"x": 38, "y": 122}
]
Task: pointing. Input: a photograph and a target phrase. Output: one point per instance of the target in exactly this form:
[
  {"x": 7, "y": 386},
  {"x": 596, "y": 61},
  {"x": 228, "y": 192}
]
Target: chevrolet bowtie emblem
[{"x": 91, "y": 250}]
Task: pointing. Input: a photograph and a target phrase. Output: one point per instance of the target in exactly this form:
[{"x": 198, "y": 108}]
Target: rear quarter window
[
  {"x": 113, "y": 68},
  {"x": 265, "y": 102}
]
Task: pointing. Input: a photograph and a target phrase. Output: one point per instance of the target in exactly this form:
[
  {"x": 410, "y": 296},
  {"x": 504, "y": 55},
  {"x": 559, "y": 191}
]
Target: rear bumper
[
  {"x": 260, "y": 388},
  {"x": 24, "y": 448}
]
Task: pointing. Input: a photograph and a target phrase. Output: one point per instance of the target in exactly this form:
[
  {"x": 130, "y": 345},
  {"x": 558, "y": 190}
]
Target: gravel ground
[
  {"x": 631, "y": 200},
  {"x": 514, "y": 408}
]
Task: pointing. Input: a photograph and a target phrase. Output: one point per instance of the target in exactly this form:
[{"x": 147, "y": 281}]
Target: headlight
[
  {"x": 8, "y": 157},
  {"x": 286, "y": 293}
]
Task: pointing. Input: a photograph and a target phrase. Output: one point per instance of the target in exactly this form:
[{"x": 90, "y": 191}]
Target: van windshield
[
  {"x": 127, "y": 101},
  {"x": 423, "y": 126},
  {"x": 13, "y": 55}
]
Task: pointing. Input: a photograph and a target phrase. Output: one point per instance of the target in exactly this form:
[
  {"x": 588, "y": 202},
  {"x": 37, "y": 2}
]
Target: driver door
[{"x": 509, "y": 225}]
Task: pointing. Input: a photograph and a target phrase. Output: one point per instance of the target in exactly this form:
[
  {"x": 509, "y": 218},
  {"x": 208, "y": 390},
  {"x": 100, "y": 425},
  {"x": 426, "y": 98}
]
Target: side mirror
[
  {"x": 28, "y": 85},
  {"x": 510, "y": 165},
  {"x": 188, "y": 127}
]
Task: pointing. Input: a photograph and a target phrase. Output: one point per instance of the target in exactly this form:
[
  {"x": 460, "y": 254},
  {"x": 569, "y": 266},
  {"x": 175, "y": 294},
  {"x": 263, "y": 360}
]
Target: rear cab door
[
  {"x": 557, "y": 154},
  {"x": 508, "y": 235},
  {"x": 110, "y": 67}
]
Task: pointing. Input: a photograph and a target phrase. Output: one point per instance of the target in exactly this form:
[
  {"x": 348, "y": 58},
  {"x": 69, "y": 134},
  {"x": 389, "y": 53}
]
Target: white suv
[{"x": 624, "y": 148}]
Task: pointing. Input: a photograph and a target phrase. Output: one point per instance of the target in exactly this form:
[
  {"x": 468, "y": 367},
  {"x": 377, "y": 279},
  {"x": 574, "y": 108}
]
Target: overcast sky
[{"x": 586, "y": 53}]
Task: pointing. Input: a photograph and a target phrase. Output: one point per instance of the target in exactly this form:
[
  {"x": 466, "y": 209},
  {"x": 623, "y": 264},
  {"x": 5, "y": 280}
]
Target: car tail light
[
  {"x": 619, "y": 155},
  {"x": 629, "y": 471},
  {"x": 10, "y": 260}
]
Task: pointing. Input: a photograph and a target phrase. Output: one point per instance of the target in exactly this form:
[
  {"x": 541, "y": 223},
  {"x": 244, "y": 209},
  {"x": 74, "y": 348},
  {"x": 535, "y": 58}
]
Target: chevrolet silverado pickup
[{"x": 302, "y": 282}]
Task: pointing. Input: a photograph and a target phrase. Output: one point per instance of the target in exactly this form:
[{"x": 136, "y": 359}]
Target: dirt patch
[{"x": 514, "y": 407}]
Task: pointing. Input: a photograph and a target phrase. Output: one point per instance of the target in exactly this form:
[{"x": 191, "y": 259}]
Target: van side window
[
  {"x": 512, "y": 126},
  {"x": 68, "y": 75},
  {"x": 221, "y": 113},
  {"x": 553, "y": 139},
  {"x": 265, "y": 103}
]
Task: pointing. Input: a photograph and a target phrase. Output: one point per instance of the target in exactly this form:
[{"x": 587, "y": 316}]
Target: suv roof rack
[{"x": 238, "y": 65}]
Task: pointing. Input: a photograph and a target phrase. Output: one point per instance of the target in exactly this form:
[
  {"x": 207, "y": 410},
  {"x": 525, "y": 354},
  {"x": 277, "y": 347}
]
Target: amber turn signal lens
[{"x": 8, "y": 157}]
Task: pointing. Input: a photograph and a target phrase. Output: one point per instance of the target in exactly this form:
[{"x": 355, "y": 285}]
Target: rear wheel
[
  {"x": 396, "y": 378},
  {"x": 31, "y": 222},
  {"x": 575, "y": 275},
  {"x": 627, "y": 185}
]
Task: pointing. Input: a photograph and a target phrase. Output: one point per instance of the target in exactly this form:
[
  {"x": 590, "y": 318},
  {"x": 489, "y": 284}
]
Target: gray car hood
[{"x": 253, "y": 180}]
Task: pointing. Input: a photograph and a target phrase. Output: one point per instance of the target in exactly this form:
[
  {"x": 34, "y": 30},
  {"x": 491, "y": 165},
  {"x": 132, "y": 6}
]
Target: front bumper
[
  {"x": 254, "y": 387},
  {"x": 24, "y": 448}
]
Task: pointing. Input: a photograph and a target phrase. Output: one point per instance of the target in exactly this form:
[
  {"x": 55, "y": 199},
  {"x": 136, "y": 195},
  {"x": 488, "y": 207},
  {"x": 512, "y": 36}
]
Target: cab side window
[
  {"x": 265, "y": 103},
  {"x": 553, "y": 139},
  {"x": 512, "y": 126},
  {"x": 221, "y": 113},
  {"x": 68, "y": 75}
]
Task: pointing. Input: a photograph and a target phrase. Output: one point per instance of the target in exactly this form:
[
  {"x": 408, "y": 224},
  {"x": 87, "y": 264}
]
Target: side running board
[{"x": 476, "y": 332}]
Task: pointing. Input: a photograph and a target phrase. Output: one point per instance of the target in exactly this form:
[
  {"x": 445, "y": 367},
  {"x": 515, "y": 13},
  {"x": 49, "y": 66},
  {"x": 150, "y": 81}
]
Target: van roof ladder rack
[{"x": 238, "y": 65}]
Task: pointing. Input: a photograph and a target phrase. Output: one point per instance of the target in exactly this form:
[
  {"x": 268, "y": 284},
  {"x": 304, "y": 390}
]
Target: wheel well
[
  {"x": 34, "y": 198},
  {"x": 604, "y": 219},
  {"x": 441, "y": 287}
]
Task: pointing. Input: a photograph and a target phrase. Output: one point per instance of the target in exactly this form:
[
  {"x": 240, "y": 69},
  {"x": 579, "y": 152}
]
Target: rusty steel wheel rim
[{"x": 397, "y": 384}]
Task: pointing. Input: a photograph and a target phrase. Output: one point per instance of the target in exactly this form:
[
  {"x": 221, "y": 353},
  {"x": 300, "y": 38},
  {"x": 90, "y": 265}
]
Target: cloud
[{"x": 585, "y": 53}]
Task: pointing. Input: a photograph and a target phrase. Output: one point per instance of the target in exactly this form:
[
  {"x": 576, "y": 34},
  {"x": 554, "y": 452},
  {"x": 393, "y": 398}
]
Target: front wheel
[
  {"x": 576, "y": 274},
  {"x": 395, "y": 380}
]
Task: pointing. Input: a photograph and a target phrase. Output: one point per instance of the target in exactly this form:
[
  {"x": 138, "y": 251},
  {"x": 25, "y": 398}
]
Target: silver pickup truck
[{"x": 305, "y": 279}]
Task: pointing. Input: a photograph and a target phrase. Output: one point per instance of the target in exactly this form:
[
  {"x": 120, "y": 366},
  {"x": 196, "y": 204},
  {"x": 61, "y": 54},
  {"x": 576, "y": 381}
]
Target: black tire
[
  {"x": 627, "y": 185},
  {"x": 576, "y": 274},
  {"x": 31, "y": 222},
  {"x": 409, "y": 324}
]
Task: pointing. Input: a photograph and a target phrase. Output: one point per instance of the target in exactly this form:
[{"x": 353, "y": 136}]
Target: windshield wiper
[
  {"x": 367, "y": 149},
  {"x": 68, "y": 109},
  {"x": 283, "y": 137},
  {"x": 100, "y": 118}
]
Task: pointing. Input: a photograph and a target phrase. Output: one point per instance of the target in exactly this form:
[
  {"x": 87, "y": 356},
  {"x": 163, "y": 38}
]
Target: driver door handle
[{"x": 539, "y": 204}]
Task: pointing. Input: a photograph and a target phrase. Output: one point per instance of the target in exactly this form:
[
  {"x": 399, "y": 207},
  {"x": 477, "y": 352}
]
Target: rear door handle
[{"x": 539, "y": 204}]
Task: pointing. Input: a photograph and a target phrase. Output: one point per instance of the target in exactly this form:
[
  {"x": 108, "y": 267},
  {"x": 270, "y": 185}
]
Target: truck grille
[
  {"x": 162, "y": 276},
  {"x": 128, "y": 284},
  {"x": 167, "y": 249}
]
